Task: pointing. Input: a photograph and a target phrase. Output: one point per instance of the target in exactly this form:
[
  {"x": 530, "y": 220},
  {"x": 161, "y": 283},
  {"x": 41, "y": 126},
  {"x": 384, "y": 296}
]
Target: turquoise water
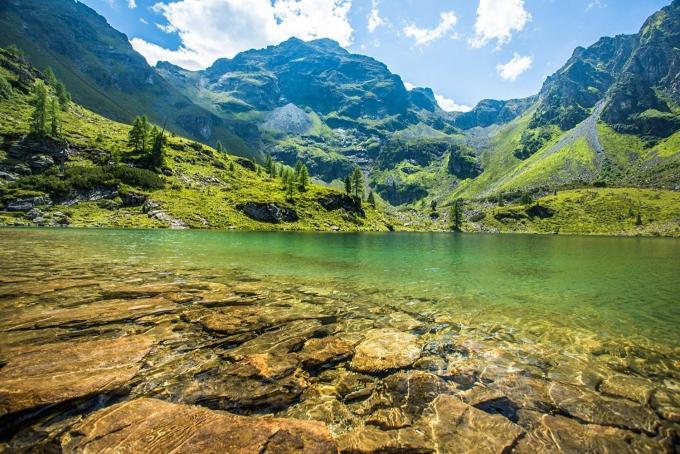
[{"x": 609, "y": 286}]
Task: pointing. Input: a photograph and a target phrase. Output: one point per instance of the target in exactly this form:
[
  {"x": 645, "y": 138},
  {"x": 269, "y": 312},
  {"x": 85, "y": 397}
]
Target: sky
[{"x": 465, "y": 50}]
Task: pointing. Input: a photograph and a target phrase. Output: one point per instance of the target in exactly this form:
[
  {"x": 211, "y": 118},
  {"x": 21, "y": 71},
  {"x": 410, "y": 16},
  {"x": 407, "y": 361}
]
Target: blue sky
[{"x": 465, "y": 50}]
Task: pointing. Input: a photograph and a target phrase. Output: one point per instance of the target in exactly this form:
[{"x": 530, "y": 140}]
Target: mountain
[
  {"x": 88, "y": 176},
  {"x": 104, "y": 72},
  {"x": 609, "y": 116}
]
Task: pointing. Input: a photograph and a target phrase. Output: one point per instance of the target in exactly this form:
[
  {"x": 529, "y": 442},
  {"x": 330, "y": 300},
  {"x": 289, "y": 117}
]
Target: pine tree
[
  {"x": 348, "y": 185},
  {"x": 303, "y": 178},
  {"x": 232, "y": 167},
  {"x": 50, "y": 78},
  {"x": 298, "y": 168},
  {"x": 456, "y": 215},
  {"x": 39, "y": 115},
  {"x": 269, "y": 166},
  {"x": 54, "y": 114},
  {"x": 290, "y": 187},
  {"x": 135, "y": 136},
  {"x": 371, "y": 199},
  {"x": 144, "y": 132},
  {"x": 219, "y": 147},
  {"x": 157, "y": 151},
  {"x": 62, "y": 95},
  {"x": 358, "y": 183}
]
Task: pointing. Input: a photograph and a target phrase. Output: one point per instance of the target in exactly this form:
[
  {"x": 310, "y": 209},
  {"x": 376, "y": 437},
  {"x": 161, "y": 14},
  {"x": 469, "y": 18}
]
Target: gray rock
[
  {"x": 33, "y": 214},
  {"x": 27, "y": 203},
  {"x": 268, "y": 212},
  {"x": 41, "y": 162}
]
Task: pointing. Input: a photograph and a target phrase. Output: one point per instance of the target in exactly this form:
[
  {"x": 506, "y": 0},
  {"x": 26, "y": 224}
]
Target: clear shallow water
[
  {"x": 610, "y": 286},
  {"x": 378, "y": 336}
]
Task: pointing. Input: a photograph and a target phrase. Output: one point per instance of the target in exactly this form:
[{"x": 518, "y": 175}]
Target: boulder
[
  {"x": 54, "y": 373},
  {"x": 150, "y": 425},
  {"x": 540, "y": 211},
  {"x": 325, "y": 351},
  {"x": 246, "y": 164},
  {"x": 27, "y": 203},
  {"x": 385, "y": 349},
  {"x": 268, "y": 212},
  {"x": 41, "y": 162},
  {"x": 132, "y": 199},
  {"x": 342, "y": 201}
]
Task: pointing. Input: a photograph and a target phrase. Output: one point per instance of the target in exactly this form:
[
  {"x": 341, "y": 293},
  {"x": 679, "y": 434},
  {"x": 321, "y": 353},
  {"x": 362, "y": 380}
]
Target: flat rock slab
[
  {"x": 150, "y": 425},
  {"x": 385, "y": 349},
  {"x": 458, "y": 427},
  {"x": 92, "y": 314},
  {"x": 55, "y": 373}
]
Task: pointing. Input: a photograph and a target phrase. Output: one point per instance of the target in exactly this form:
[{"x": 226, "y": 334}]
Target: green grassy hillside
[{"x": 104, "y": 183}]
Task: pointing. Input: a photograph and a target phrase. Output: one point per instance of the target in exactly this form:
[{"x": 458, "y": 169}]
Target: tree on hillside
[
  {"x": 269, "y": 166},
  {"x": 157, "y": 151},
  {"x": 139, "y": 134},
  {"x": 54, "y": 114},
  {"x": 39, "y": 103},
  {"x": 290, "y": 186},
  {"x": 371, "y": 199},
  {"x": 50, "y": 78},
  {"x": 303, "y": 178},
  {"x": 348, "y": 185},
  {"x": 456, "y": 215},
  {"x": 358, "y": 183},
  {"x": 219, "y": 147},
  {"x": 63, "y": 96}
]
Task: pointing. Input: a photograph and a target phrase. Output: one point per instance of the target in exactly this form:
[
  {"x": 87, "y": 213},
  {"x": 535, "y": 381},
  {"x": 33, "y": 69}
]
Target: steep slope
[
  {"x": 602, "y": 118},
  {"x": 89, "y": 176},
  {"x": 104, "y": 73}
]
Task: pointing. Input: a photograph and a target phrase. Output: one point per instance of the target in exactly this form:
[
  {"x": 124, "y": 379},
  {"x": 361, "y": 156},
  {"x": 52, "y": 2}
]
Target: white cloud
[
  {"x": 424, "y": 36},
  {"x": 596, "y": 4},
  {"x": 132, "y": 4},
  {"x": 409, "y": 86},
  {"x": 516, "y": 66},
  {"x": 497, "y": 19},
  {"x": 374, "y": 18},
  {"x": 450, "y": 105},
  {"x": 143, "y": 21},
  {"x": 210, "y": 29}
]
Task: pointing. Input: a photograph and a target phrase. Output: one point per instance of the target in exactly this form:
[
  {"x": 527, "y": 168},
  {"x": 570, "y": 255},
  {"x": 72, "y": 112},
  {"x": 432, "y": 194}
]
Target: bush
[
  {"x": 137, "y": 177},
  {"x": 5, "y": 88}
]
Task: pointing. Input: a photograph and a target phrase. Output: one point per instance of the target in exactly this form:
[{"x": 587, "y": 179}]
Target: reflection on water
[{"x": 347, "y": 329}]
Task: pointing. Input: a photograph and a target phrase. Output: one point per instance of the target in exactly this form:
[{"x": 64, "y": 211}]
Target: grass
[{"x": 611, "y": 211}]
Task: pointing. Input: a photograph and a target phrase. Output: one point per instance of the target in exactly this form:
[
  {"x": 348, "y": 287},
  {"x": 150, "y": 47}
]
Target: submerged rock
[
  {"x": 55, "y": 373},
  {"x": 385, "y": 349},
  {"x": 150, "y": 425},
  {"x": 325, "y": 351}
]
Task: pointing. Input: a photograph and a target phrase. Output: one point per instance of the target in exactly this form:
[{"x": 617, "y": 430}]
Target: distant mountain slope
[{"x": 104, "y": 73}]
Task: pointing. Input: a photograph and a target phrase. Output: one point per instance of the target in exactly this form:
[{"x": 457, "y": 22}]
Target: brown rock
[
  {"x": 369, "y": 440},
  {"x": 458, "y": 427},
  {"x": 389, "y": 419},
  {"x": 592, "y": 408},
  {"x": 385, "y": 349},
  {"x": 560, "y": 434},
  {"x": 327, "y": 350},
  {"x": 413, "y": 390},
  {"x": 633, "y": 388},
  {"x": 141, "y": 291},
  {"x": 54, "y": 373},
  {"x": 92, "y": 314},
  {"x": 150, "y": 425}
]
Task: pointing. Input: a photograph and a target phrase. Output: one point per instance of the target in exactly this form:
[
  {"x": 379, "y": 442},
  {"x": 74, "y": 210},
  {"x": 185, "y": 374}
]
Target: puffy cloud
[
  {"x": 450, "y": 105},
  {"x": 424, "y": 36},
  {"x": 374, "y": 18},
  {"x": 132, "y": 4},
  {"x": 516, "y": 66},
  {"x": 497, "y": 19},
  {"x": 409, "y": 86},
  {"x": 210, "y": 29}
]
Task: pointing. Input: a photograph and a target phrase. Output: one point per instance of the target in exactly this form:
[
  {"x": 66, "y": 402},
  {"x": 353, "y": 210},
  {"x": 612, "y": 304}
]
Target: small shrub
[{"x": 137, "y": 177}]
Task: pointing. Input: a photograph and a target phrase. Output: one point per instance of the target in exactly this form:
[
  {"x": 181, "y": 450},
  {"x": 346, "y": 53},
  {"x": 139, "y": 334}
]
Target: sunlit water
[{"x": 610, "y": 286}]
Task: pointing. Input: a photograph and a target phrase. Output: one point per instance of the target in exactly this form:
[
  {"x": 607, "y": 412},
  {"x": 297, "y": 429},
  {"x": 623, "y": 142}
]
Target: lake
[{"x": 328, "y": 327}]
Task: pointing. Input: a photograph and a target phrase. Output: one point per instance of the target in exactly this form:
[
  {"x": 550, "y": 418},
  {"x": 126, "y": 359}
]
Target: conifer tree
[
  {"x": 269, "y": 166},
  {"x": 371, "y": 199},
  {"x": 157, "y": 151},
  {"x": 456, "y": 215},
  {"x": 50, "y": 78},
  {"x": 303, "y": 178},
  {"x": 62, "y": 95},
  {"x": 358, "y": 183},
  {"x": 290, "y": 187},
  {"x": 39, "y": 115},
  {"x": 218, "y": 147},
  {"x": 348, "y": 185},
  {"x": 144, "y": 132},
  {"x": 54, "y": 114},
  {"x": 134, "y": 136},
  {"x": 298, "y": 168}
]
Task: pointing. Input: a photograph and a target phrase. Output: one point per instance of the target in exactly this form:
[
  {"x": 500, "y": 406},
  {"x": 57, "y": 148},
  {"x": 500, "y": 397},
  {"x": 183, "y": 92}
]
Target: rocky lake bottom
[{"x": 116, "y": 352}]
